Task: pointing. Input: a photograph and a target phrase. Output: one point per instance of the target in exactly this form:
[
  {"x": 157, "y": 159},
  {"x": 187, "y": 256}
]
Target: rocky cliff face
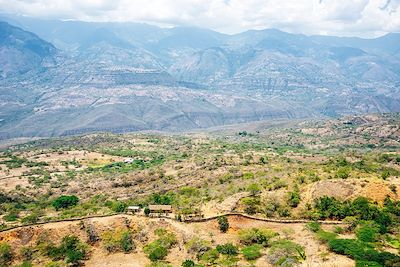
[{"x": 125, "y": 77}]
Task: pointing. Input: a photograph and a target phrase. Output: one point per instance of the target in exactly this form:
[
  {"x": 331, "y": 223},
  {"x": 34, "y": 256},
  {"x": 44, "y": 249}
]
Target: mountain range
[{"x": 69, "y": 77}]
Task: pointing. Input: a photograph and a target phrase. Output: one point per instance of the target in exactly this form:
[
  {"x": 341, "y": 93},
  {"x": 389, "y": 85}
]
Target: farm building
[
  {"x": 160, "y": 208},
  {"x": 133, "y": 209}
]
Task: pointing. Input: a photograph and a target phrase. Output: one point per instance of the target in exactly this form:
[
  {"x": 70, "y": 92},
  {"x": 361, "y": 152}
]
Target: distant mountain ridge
[{"x": 67, "y": 77}]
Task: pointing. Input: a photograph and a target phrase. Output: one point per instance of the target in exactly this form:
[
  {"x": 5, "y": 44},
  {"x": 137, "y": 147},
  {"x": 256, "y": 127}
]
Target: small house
[
  {"x": 160, "y": 208},
  {"x": 133, "y": 209}
]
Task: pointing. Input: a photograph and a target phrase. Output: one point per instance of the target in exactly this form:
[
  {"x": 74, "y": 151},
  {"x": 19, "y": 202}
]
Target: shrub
[
  {"x": 294, "y": 199},
  {"x": 385, "y": 175},
  {"x": 368, "y": 264},
  {"x": 6, "y": 254},
  {"x": 197, "y": 245},
  {"x": 126, "y": 241},
  {"x": 25, "y": 264},
  {"x": 210, "y": 256},
  {"x": 165, "y": 199},
  {"x": 285, "y": 253},
  {"x": 30, "y": 219},
  {"x": 166, "y": 238},
  {"x": 251, "y": 204},
  {"x": 252, "y": 252},
  {"x": 343, "y": 172},
  {"x": 325, "y": 236},
  {"x": 254, "y": 189},
  {"x": 158, "y": 249},
  {"x": 64, "y": 202},
  {"x": 256, "y": 236},
  {"x": 118, "y": 240},
  {"x": 11, "y": 216},
  {"x": 223, "y": 224},
  {"x": 227, "y": 249},
  {"x": 188, "y": 263},
  {"x": 146, "y": 211},
  {"x": 367, "y": 231},
  {"x": 313, "y": 226},
  {"x": 155, "y": 251},
  {"x": 338, "y": 230},
  {"x": 72, "y": 249},
  {"x": 118, "y": 206},
  {"x": 27, "y": 253},
  {"x": 361, "y": 251},
  {"x": 110, "y": 242},
  {"x": 52, "y": 264}
]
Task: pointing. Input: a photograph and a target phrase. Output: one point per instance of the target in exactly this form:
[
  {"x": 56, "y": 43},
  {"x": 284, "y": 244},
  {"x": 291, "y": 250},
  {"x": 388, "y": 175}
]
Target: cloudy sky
[{"x": 365, "y": 18}]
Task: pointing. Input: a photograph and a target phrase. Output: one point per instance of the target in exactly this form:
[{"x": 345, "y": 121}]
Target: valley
[{"x": 64, "y": 200}]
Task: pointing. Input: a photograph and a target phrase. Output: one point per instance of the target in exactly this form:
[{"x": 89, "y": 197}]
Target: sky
[{"x": 364, "y": 18}]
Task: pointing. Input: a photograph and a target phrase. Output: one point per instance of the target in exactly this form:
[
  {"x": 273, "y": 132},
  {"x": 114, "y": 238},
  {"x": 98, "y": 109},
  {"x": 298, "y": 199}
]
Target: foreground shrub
[
  {"x": 210, "y": 257},
  {"x": 285, "y": 253},
  {"x": 197, "y": 245},
  {"x": 361, "y": 251},
  {"x": 367, "y": 264},
  {"x": 367, "y": 231},
  {"x": 71, "y": 249},
  {"x": 252, "y": 252},
  {"x": 228, "y": 249},
  {"x": 25, "y": 264},
  {"x": 118, "y": 240},
  {"x": 325, "y": 236},
  {"x": 155, "y": 251},
  {"x": 158, "y": 249},
  {"x": 256, "y": 236},
  {"x": 188, "y": 263},
  {"x": 6, "y": 254}
]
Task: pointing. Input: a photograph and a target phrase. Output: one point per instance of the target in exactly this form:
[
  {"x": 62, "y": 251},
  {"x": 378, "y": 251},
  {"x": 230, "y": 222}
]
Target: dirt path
[{"x": 211, "y": 218}]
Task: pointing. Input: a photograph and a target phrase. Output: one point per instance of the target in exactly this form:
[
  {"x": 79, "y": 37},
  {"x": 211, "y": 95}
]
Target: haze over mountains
[{"x": 67, "y": 77}]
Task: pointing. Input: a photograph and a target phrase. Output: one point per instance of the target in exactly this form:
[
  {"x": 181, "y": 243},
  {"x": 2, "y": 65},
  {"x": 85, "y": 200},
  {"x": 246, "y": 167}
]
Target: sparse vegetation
[{"x": 294, "y": 175}]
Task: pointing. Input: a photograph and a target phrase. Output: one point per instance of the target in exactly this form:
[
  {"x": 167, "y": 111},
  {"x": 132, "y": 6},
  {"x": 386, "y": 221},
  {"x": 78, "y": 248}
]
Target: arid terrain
[{"x": 64, "y": 201}]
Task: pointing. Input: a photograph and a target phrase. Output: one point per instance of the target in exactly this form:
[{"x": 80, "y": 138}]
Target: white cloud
[{"x": 336, "y": 17}]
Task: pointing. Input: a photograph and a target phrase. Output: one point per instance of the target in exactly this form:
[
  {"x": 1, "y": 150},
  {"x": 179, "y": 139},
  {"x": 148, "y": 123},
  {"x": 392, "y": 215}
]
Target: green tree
[
  {"x": 64, "y": 202},
  {"x": 223, "y": 224},
  {"x": 146, "y": 211},
  {"x": 294, "y": 199}
]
